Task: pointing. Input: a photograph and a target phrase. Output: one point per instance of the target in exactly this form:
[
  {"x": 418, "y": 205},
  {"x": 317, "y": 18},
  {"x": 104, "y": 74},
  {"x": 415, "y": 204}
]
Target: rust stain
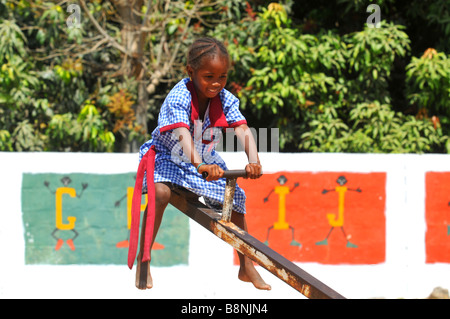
[
  {"x": 306, "y": 290},
  {"x": 252, "y": 253},
  {"x": 254, "y": 249},
  {"x": 230, "y": 188},
  {"x": 219, "y": 228}
]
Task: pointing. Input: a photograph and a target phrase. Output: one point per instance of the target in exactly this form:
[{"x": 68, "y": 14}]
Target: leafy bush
[
  {"x": 330, "y": 93},
  {"x": 328, "y": 83},
  {"x": 428, "y": 82}
]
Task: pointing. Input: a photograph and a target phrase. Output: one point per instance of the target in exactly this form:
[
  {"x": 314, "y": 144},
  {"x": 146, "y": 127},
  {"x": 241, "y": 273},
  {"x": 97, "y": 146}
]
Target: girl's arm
[
  {"x": 187, "y": 144},
  {"x": 245, "y": 137}
]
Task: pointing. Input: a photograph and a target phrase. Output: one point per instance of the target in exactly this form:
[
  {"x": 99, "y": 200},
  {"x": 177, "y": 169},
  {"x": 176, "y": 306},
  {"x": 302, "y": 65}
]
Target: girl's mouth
[{"x": 213, "y": 91}]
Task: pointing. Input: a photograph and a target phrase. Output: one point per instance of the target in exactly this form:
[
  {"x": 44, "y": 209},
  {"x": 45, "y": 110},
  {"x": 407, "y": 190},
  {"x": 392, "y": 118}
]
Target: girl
[{"x": 182, "y": 148}]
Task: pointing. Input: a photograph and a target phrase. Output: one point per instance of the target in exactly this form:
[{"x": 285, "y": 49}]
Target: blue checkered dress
[{"x": 171, "y": 165}]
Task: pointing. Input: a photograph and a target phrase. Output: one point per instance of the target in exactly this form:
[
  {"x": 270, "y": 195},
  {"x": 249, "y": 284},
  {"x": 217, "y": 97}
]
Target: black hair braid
[{"x": 204, "y": 47}]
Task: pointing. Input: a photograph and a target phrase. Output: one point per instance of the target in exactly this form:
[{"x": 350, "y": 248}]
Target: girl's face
[{"x": 211, "y": 77}]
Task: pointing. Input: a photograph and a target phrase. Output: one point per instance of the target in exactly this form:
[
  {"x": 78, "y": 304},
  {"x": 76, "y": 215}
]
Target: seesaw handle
[{"x": 234, "y": 173}]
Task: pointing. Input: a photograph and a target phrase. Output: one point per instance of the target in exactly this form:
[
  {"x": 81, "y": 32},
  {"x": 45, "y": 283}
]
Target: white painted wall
[{"x": 404, "y": 274}]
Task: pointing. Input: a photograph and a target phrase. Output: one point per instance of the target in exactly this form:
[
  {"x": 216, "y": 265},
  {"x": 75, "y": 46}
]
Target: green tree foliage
[
  {"x": 44, "y": 106},
  {"x": 330, "y": 92},
  {"x": 93, "y": 84},
  {"x": 313, "y": 69}
]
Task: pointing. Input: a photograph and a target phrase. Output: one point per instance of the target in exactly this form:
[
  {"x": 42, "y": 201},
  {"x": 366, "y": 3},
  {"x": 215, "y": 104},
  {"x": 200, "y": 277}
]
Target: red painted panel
[{"x": 325, "y": 217}]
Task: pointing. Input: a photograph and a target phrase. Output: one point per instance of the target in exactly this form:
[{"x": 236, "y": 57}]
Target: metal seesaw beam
[{"x": 187, "y": 202}]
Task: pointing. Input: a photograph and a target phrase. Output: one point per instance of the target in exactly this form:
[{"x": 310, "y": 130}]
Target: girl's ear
[{"x": 190, "y": 71}]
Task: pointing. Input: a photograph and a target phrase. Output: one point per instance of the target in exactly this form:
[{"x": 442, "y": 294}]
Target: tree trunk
[{"x": 132, "y": 67}]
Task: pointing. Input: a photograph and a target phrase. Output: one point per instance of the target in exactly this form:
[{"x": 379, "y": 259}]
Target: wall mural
[
  {"x": 324, "y": 217},
  {"x": 85, "y": 219},
  {"x": 329, "y": 218}
]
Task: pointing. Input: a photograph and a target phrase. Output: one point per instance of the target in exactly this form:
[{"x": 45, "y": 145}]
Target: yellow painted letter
[{"x": 71, "y": 220}]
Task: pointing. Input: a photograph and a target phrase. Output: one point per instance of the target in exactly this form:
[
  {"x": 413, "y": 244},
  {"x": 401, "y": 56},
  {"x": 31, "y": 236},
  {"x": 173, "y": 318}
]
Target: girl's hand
[
  {"x": 214, "y": 171},
  {"x": 254, "y": 170}
]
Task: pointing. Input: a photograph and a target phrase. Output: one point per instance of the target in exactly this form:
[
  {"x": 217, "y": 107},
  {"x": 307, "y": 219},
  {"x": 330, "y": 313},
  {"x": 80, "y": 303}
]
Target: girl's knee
[{"x": 162, "y": 194}]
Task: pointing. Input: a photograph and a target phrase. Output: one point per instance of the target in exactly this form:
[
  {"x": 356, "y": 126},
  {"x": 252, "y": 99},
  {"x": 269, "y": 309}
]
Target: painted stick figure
[
  {"x": 281, "y": 224},
  {"x": 129, "y": 197},
  {"x": 339, "y": 221},
  {"x": 59, "y": 223}
]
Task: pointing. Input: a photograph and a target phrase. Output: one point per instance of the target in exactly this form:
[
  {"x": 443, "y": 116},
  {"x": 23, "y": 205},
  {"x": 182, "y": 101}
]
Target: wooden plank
[{"x": 243, "y": 242}]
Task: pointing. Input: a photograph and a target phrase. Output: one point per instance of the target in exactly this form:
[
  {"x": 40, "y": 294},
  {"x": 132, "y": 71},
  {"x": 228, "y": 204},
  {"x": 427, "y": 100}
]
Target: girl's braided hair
[{"x": 205, "y": 47}]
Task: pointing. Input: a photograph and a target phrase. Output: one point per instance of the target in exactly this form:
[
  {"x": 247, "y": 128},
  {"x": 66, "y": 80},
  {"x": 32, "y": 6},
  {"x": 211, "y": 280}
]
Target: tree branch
[{"x": 103, "y": 32}]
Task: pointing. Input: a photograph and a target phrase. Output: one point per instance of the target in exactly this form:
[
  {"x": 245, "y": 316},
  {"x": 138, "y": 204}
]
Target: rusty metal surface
[
  {"x": 243, "y": 242},
  {"x": 230, "y": 188}
]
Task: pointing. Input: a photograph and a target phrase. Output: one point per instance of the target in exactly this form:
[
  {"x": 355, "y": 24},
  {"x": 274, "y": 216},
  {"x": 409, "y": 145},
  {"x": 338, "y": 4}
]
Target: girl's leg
[
  {"x": 247, "y": 271},
  {"x": 162, "y": 197}
]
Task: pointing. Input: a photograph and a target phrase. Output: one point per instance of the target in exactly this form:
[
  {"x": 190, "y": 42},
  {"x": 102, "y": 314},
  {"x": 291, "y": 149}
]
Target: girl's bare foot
[
  {"x": 143, "y": 277},
  {"x": 248, "y": 273}
]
